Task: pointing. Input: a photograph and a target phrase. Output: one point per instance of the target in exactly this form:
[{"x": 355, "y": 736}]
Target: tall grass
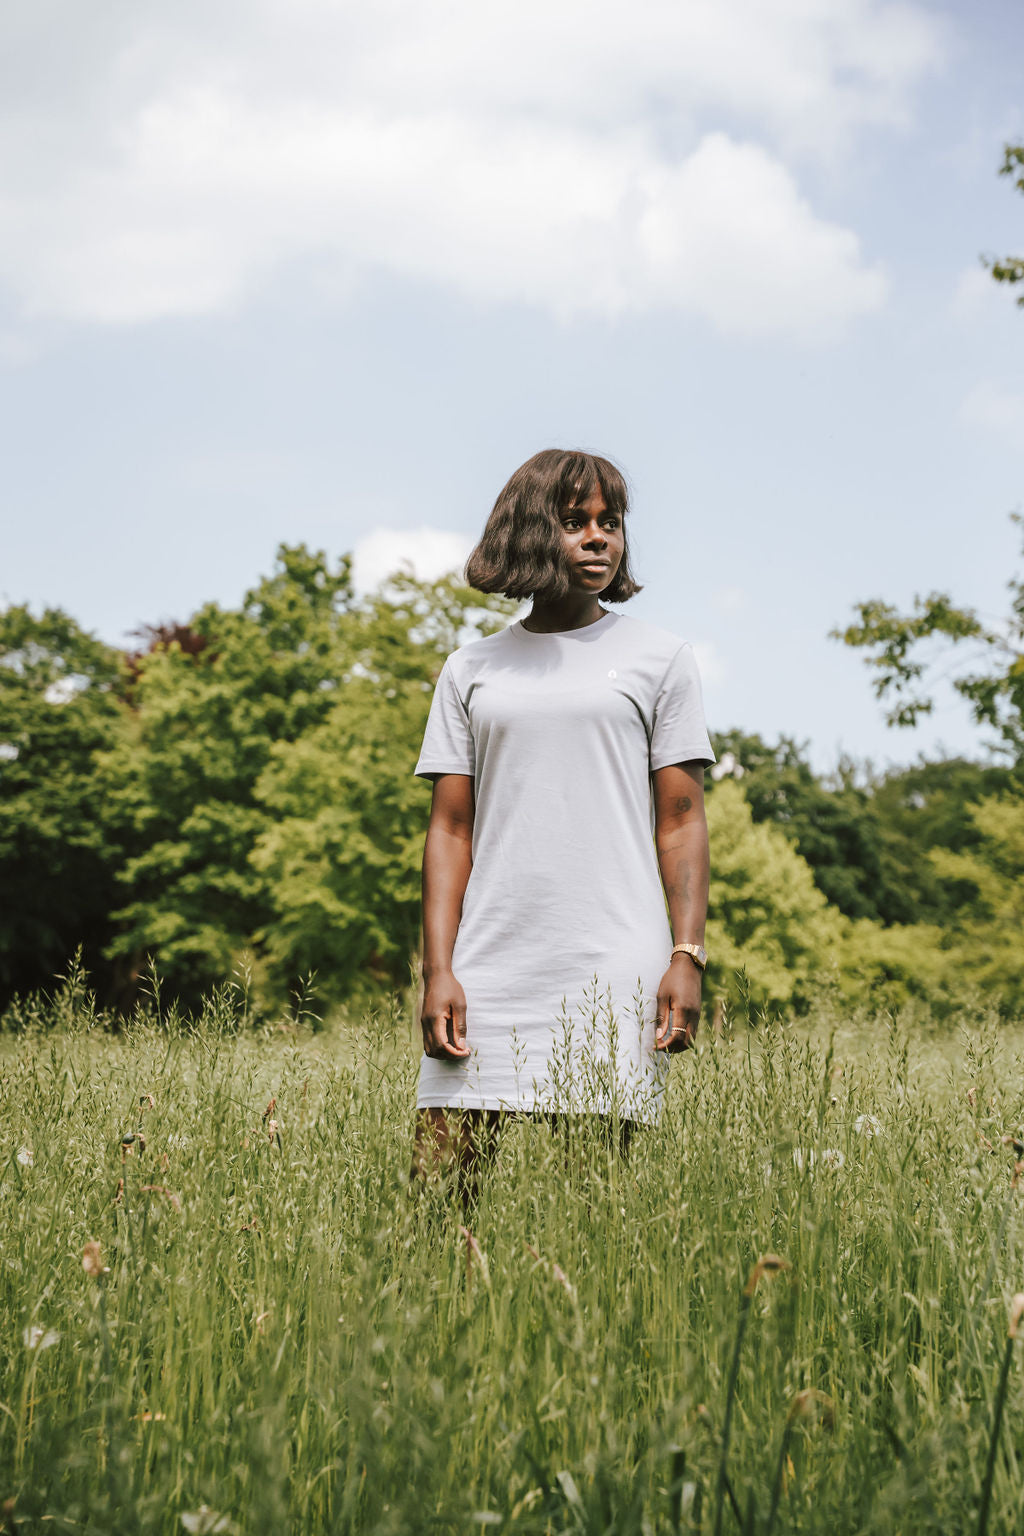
[{"x": 219, "y": 1313}]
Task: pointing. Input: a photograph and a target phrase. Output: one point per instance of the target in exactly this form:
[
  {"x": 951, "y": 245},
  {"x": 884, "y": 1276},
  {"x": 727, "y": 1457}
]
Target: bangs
[{"x": 586, "y": 473}]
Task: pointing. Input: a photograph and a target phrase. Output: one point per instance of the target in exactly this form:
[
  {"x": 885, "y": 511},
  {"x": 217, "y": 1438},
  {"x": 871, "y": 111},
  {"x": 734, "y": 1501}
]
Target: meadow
[{"x": 790, "y": 1308}]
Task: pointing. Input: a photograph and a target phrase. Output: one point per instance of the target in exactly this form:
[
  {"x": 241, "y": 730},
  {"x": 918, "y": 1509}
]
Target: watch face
[{"x": 702, "y": 955}]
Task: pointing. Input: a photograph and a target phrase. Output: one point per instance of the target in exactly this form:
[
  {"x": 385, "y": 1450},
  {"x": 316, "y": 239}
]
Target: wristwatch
[{"x": 697, "y": 953}]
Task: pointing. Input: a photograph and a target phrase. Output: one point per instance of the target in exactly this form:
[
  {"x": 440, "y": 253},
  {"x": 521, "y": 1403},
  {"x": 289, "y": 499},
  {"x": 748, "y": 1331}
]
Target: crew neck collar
[{"x": 582, "y": 633}]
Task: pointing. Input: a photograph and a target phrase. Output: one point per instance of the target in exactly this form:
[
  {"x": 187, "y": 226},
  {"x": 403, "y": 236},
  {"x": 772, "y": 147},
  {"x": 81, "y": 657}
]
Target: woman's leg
[{"x": 455, "y": 1141}]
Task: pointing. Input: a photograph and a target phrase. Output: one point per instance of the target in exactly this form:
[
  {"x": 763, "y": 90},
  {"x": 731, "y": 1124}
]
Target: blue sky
[{"x": 329, "y": 272}]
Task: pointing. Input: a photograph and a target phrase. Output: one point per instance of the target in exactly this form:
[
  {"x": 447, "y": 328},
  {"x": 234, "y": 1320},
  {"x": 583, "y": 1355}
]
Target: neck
[{"x": 575, "y": 611}]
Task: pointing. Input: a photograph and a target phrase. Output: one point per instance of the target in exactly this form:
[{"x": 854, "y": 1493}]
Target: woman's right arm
[{"x": 447, "y": 861}]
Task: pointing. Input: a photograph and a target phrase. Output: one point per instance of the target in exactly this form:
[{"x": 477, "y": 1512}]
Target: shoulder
[
  {"x": 477, "y": 655},
  {"x": 648, "y": 643}
]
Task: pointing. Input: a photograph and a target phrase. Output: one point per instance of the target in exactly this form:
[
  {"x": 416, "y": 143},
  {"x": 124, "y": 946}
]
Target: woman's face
[{"x": 593, "y": 541}]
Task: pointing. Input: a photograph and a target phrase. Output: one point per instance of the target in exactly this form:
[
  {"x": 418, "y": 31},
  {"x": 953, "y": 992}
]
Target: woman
[{"x": 552, "y": 976}]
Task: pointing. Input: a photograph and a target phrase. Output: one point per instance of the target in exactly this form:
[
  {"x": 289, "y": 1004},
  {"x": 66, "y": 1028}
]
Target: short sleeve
[
  {"x": 447, "y": 740},
  {"x": 679, "y": 734}
]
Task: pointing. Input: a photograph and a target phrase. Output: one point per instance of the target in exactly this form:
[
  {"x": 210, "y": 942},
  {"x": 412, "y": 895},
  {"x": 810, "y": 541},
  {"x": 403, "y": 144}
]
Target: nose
[{"x": 595, "y": 537}]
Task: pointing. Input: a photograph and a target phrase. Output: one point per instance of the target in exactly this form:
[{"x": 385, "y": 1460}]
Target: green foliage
[
  {"x": 829, "y": 824},
  {"x": 189, "y": 756},
  {"x": 767, "y": 917},
  {"x": 243, "y": 788},
  {"x": 276, "y": 1335},
  {"x": 988, "y": 933},
  {"x": 898, "y": 653},
  {"x": 890, "y": 966},
  {"x": 266, "y": 780},
  {"x": 866, "y": 837},
  {"x": 1011, "y": 268},
  {"x": 343, "y": 842},
  {"x": 240, "y": 797},
  {"x": 61, "y": 693}
]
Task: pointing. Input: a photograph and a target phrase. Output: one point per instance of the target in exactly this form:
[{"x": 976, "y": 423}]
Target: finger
[
  {"x": 664, "y": 1027},
  {"x": 683, "y": 1037},
  {"x": 449, "y": 1038},
  {"x": 434, "y": 1035},
  {"x": 459, "y": 1027},
  {"x": 438, "y": 1038}
]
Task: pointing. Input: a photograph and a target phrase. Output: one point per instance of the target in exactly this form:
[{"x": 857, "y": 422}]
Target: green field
[{"x": 281, "y": 1338}]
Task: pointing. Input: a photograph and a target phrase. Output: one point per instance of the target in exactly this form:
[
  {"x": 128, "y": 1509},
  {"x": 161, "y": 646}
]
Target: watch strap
[{"x": 697, "y": 953}]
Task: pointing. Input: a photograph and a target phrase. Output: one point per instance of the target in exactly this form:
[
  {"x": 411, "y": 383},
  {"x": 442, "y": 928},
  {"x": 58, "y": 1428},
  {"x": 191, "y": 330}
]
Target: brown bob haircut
[{"x": 520, "y": 552}]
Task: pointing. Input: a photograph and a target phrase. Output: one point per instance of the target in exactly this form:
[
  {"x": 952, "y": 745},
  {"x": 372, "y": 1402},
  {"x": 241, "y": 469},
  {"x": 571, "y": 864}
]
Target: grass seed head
[
  {"x": 35, "y": 1337},
  {"x": 1016, "y": 1313},
  {"x": 768, "y": 1264},
  {"x": 161, "y": 1189},
  {"x": 812, "y": 1404},
  {"x": 474, "y": 1251},
  {"x": 92, "y": 1260}
]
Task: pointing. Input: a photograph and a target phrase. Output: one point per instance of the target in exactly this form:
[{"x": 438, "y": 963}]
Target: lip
[{"x": 594, "y": 565}]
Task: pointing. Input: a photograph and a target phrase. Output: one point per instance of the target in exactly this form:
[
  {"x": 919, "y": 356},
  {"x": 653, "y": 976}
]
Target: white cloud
[
  {"x": 563, "y": 155},
  {"x": 427, "y": 552},
  {"x": 995, "y": 409}
]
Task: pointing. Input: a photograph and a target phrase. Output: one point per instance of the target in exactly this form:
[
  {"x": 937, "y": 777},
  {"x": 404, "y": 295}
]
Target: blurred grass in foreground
[{"x": 274, "y": 1335}]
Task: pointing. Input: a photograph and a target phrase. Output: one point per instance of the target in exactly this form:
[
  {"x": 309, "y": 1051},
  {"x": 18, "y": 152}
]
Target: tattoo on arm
[{"x": 682, "y": 805}]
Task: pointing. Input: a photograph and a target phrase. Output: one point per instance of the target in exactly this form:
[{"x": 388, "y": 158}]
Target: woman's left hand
[{"x": 678, "y": 1005}]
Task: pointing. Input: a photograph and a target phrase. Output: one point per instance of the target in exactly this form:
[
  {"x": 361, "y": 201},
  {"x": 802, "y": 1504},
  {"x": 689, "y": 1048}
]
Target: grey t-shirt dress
[{"x": 564, "y": 933}]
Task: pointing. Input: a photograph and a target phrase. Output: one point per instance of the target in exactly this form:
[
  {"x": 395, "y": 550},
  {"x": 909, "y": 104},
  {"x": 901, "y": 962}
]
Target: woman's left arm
[{"x": 681, "y": 838}]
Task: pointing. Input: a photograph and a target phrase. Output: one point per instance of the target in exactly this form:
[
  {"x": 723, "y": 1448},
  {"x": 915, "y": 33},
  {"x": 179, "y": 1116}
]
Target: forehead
[{"x": 588, "y": 501}]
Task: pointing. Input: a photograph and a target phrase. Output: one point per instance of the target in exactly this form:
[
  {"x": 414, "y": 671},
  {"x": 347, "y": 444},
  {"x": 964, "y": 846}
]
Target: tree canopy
[
  {"x": 237, "y": 795},
  {"x": 61, "y": 698},
  {"x": 901, "y": 648}
]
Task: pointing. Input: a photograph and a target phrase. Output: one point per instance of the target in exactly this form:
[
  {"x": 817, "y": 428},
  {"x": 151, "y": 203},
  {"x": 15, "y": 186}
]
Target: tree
[
  {"x": 766, "y": 916},
  {"x": 829, "y": 824},
  {"x": 987, "y": 937},
  {"x": 917, "y": 810},
  {"x": 183, "y": 774},
  {"x": 896, "y": 643},
  {"x": 265, "y": 780},
  {"x": 343, "y": 839},
  {"x": 61, "y": 695}
]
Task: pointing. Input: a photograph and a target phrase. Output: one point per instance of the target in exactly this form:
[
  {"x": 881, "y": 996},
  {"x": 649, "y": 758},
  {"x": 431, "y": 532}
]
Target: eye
[{"x": 570, "y": 522}]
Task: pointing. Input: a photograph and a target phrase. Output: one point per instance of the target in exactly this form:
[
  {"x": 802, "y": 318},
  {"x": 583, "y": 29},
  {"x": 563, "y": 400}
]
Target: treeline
[{"x": 235, "y": 797}]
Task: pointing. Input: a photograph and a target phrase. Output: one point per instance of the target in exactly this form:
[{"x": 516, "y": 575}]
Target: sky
[{"x": 326, "y": 271}]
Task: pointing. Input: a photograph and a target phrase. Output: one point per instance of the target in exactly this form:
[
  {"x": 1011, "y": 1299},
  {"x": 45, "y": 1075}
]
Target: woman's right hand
[{"x": 444, "y": 1018}]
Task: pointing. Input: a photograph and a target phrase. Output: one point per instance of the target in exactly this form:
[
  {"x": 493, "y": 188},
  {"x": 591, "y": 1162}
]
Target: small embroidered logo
[{"x": 613, "y": 673}]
